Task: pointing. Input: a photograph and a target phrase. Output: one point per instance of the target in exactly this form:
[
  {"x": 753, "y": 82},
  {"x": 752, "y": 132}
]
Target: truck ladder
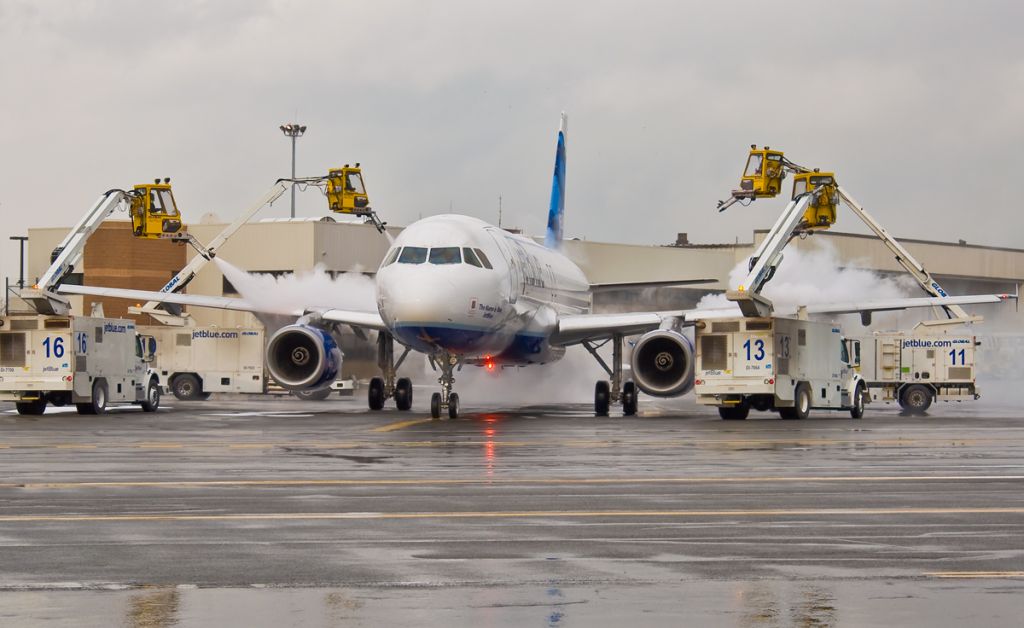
[
  {"x": 905, "y": 259},
  {"x": 172, "y": 315},
  {"x": 42, "y": 296},
  {"x": 767, "y": 258}
]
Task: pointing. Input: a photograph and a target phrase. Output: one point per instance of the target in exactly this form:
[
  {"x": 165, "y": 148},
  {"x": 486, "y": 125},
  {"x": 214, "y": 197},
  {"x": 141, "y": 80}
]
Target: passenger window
[
  {"x": 483, "y": 259},
  {"x": 392, "y": 256},
  {"x": 413, "y": 255},
  {"x": 471, "y": 258},
  {"x": 445, "y": 255}
]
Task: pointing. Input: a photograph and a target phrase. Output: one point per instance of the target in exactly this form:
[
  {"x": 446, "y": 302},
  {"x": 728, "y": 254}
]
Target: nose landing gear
[
  {"x": 615, "y": 391},
  {"x": 446, "y": 399}
]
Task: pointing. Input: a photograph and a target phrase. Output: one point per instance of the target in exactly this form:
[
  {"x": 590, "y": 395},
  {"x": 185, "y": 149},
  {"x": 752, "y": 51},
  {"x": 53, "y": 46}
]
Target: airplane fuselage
[{"x": 459, "y": 286}]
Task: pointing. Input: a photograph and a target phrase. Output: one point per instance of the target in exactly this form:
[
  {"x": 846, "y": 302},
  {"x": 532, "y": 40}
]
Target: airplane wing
[
  {"x": 636, "y": 285},
  {"x": 853, "y": 307},
  {"x": 577, "y": 328},
  {"x": 354, "y": 318}
]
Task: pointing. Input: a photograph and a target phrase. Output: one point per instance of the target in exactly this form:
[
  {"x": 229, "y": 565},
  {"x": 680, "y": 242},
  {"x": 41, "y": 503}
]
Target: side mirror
[{"x": 150, "y": 349}]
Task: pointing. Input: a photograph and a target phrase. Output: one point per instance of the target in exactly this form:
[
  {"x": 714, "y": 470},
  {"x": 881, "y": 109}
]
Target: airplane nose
[
  {"x": 409, "y": 299},
  {"x": 418, "y": 302}
]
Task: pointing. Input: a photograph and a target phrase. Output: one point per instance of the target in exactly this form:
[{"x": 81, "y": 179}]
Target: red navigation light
[{"x": 489, "y": 364}]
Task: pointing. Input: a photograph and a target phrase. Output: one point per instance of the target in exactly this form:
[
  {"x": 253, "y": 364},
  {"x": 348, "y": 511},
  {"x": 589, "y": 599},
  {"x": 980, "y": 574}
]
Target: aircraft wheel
[
  {"x": 435, "y": 405},
  {"x": 36, "y": 407},
  {"x": 602, "y": 397},
  {"x": 375, "y": 395},
  {"x": 453, "y": 406},
  {"x": 629, "y": 399},
  {"x": 403, "y": 393}
]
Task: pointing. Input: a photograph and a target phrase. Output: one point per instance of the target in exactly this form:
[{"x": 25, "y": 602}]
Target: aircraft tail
[{"x": 556, "y": 210}]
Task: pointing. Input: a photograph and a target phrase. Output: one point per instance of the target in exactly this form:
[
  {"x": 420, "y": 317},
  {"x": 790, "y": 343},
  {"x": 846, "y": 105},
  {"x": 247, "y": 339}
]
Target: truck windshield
[
  {"x": 753, "y": 165},
  {"x": 354, "y": 183},
  {"x": 162, "y": 202}
]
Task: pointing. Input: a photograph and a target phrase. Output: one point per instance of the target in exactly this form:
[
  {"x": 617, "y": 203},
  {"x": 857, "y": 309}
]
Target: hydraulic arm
[{"x": 815, "y": 198}]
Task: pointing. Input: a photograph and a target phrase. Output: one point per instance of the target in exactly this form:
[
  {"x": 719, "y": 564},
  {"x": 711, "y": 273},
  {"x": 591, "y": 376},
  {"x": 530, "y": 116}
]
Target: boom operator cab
[
  {"x": 762, "y": 178},
  {"x": 154, "y": 212},
  {"x": 821, "y": 211},
  {"x": 346, "y": 193}
]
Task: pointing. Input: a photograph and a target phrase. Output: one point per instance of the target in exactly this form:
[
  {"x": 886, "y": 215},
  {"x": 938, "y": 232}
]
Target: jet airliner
[{"x": 465, "y": 292}]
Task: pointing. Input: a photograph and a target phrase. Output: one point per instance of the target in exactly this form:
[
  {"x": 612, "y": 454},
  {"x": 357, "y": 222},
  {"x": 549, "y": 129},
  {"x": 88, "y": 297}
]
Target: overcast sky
[{"x": 918, "y": 106}]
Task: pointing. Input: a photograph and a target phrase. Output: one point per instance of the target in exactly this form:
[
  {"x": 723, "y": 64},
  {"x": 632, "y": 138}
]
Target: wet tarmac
[{"x": 275, "y": 512}]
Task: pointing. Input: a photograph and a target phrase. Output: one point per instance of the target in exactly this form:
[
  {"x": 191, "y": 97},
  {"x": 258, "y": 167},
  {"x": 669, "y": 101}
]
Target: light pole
[
  {"x": 21, "y": 256},
  {"x": 293, "y": 131}
]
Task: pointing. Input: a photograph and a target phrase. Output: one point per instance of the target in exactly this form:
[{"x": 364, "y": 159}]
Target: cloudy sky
[{"x": 918, "y": 106}]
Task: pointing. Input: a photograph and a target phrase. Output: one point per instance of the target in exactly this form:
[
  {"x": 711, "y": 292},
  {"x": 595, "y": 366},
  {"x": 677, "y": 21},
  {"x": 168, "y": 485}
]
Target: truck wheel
[
  {"x": 857, "y": 409},
  {"x": 801, "y": 405},
  {"x": 98, "y": 405},
  {"x": 312, "y": 395},
  {"x": 375, "y": 394},
  {"x": 916, "y": 399},
  {"x": 738, "y": 412},
  {"x": 152, "y": 401},
  {"x": 32, "y": 408},
  {"x": 403, "y": 393},
  {"x": 602, "y": 398},
  {"x": 186, "y": 387}
]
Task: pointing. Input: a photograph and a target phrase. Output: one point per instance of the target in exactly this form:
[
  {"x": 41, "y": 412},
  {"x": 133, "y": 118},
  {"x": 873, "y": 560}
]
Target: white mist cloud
[
  {"x": 816, "y": 276},
  {"x": 304, "y": 289}
]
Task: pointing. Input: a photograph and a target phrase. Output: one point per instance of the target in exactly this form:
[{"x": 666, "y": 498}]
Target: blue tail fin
[{"x": 556, "y": 211}]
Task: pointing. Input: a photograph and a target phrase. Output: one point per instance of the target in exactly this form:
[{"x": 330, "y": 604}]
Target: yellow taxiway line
[
  {"x": 510, "y": 481},
  {"x": 391, "y": 427},
  {"x": 976, "y": 574},
  {"x": 512, "y": 514}
]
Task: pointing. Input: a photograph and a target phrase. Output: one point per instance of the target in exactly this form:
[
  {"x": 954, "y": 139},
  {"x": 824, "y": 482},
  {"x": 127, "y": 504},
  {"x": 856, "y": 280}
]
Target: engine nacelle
[
  {"x": 663, "y": 363},
  {"x": 301, "y": 357}
]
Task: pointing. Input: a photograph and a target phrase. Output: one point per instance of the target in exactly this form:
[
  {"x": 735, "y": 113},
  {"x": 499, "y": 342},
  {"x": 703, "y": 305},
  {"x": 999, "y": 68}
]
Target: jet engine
[
  {"x": 663, "y": 363},
  {"x": 301, "y": 357}
]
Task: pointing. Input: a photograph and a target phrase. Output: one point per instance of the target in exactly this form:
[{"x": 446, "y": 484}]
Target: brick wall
[{"x": 115, "y": 259}]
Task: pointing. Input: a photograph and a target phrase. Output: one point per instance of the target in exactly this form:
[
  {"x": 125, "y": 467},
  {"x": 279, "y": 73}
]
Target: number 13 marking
[{"x": 758, "y": 349}]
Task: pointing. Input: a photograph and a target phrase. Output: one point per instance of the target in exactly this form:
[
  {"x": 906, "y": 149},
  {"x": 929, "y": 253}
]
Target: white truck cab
[
  {"x": 84, "y": 360},
  {"x": 787, "y": 365}
]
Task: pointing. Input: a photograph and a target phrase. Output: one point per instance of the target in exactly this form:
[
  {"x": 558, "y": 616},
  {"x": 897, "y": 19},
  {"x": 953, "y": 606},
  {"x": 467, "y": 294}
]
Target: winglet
[{"x": 556, "y": 210}]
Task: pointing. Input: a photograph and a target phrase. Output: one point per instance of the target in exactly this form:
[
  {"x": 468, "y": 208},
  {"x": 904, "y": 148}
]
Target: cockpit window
[
  {"x": 392, "y": 256},
  {"x": 470, "y": 257},
  {"x": 445, "y": 255},
  {"x": 483, "y": 259},
  {"x": 413, "y": 255}
]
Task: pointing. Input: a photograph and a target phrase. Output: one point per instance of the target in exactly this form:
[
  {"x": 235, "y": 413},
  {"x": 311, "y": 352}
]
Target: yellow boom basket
[
  {"x": 154, "y": 212},
  {"x": 821, "y": 213}
]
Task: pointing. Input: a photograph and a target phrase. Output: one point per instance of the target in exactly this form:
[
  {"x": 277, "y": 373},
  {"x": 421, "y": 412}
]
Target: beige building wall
[{"x": 347, "y": 247}]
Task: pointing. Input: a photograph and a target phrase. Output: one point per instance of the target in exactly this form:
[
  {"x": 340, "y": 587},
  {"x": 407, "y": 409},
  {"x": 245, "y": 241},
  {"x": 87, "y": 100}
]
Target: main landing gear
[
  {"x": 606, "y": 392},
  {"x": 390, "y": 385},
  {"x": 446, "y": 400}
]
